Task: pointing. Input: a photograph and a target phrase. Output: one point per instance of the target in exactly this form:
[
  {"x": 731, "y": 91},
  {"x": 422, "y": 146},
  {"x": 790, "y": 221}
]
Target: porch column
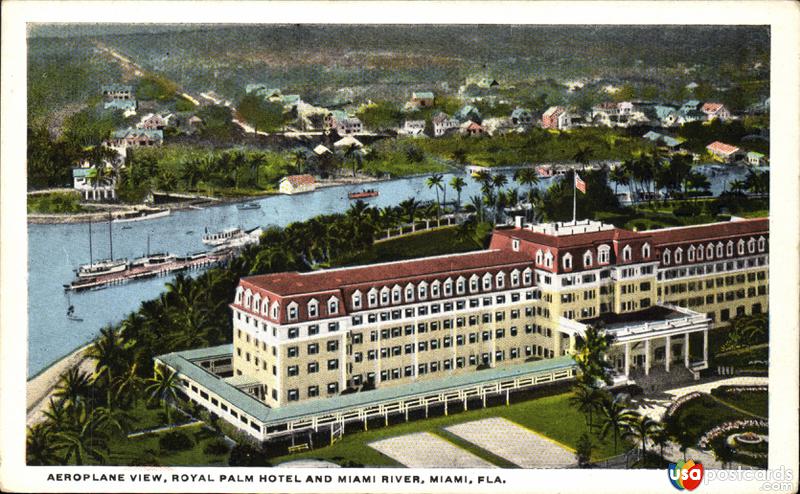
[
  {"x": 668, "y": 352},
  {"x": 627, "y": 359},
  {"x": 686, "y": 350},
  {"x": 705, "y": 346},
  {"x": 646, "y": 357}
]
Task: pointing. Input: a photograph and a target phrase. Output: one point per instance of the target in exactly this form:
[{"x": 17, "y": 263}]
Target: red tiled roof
[
  {"x": 296, "y": 180},
  {"x": 711, "y": 231},
  {"x": 568, "y": 241},
  {"x": 288, "y": 284},
  {"x": 721, "y": 147},
  {"x": 712, "y": 107}
]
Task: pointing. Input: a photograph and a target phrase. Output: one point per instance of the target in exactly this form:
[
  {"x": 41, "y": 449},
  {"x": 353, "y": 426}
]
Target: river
[{"x": 56, "y": 250}]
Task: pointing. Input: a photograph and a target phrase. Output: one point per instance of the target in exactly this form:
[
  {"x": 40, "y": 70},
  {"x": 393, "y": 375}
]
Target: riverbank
[{"x": 42, "y": 386}]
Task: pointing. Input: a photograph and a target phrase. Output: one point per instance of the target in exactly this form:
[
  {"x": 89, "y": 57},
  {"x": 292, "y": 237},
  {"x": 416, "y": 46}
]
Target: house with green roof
[{"x": 754, "y": 158}]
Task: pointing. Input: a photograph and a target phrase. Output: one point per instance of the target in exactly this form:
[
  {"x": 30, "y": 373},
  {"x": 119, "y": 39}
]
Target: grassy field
[
  {"x": 146, "y": 449},
  {"x": 422, "y": 244},
  {"x": 55, "y": 203},
  {"x": 756, "y": 403},
  {"x": 703, "y": 413},
  {"x": 551, "y": 416}
]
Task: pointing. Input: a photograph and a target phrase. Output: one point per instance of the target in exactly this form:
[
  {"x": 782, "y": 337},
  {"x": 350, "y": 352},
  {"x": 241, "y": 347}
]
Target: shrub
[
  {"x": 245, "y": 455},
  {"x": 216, "y": 447},
  {"x": 175, "y": 441},
  {"x": 146, "y": 459},
  {"x": 684, "y": 210}
]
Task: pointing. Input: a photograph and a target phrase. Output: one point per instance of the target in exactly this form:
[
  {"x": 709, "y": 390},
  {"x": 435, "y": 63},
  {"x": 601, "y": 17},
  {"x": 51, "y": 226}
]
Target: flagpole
[{"x": 574, "y": 195}]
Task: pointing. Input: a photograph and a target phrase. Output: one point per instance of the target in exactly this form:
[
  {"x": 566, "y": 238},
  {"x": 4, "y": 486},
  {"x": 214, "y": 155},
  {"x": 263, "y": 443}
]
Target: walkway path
[{"x": 164, "y": 428}]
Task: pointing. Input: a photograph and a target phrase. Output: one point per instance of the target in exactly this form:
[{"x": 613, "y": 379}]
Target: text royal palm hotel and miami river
[{"x": 315, "y": 352}]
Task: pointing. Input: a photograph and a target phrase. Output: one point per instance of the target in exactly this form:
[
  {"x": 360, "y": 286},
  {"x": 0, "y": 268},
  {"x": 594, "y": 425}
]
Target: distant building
[
  {"x": 296, "y": 184},
  {"x": 84, "y": 181},
  {"x": 715, "y": 110},
  {"x": 342, "y": 123},
  {"x": 756, "y": 159},
  {"x": 117, "y": 91},
  {"x": 422, "y": 99},
  {"x": 131, "y": 137},
  {"x": 555, "y": 118},
  {"x": 664, "y": 140},
  {"x": 346, "y": 142},
  {"x": 472, "y": 129},
  {"x": 321, "y": 150},
  {"x": 521, "y": 116},
  {"x": 127, "y": 106},
  {"x": 468, "y": 112},
  {"x": 413, "y": 127},
  {"x": 726, "y": 152},
  {"x": 152, "y": 121},
  {"x": 442, "y": 124}
]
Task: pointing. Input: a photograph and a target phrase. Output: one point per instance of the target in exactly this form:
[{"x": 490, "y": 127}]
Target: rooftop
[
  {"x": 653, "y": 313},
  {"x": 183, "y": 363},
  {"x": 568, "y": 234},
  {"x": 294, "y": 283}
]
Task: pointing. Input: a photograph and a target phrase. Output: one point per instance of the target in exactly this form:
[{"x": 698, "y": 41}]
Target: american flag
[{"x": 580, "y": 184}]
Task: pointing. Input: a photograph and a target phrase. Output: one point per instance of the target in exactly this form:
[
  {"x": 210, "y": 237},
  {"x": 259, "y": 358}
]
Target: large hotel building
[{"x": 315, "y": 351}]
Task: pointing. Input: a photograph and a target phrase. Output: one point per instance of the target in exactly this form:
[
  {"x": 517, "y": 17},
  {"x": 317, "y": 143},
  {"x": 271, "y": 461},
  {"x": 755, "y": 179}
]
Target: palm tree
[
  {"x": 615, "y": 416},
  {"x": 435, "y": 182},
  {"x": 39, "y": 449},
  {"x": 527, "y": 176},
  {"x": 73, "y": 387},
  {"x": 641, "y": 428},
  {"x": 458, "y": 184},
  {"x": 723, "y": 453},
  {"x": 300, "y": 160},
  {"x": 476, "y": 205},
  {"x": 585, "y": 399},
  {"x": 583, "y": 155},
  {"x": 661, "y": 438},
  {"x": 590, "y": 356},
  {"x": 111, "y": 355},
  {"x": 619, "y": 176},
  {"x": 409, "y": 208},
  {"x": 190, "y": 172},
  {"x": 353, "y": 154},
  {"x": 82, "y": 438},
  {"x": 738, "y": 186},
  {"x": 164, "y": 387}
]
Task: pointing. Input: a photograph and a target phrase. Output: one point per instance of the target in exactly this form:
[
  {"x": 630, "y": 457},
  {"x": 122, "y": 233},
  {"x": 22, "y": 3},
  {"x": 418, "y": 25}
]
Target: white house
[
  {"x": 296, "y": 184},
  {"x": 413, "y": 127}
]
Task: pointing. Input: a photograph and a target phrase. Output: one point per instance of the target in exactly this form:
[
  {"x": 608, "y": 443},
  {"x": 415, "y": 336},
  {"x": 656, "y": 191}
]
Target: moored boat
[
  {"x": 98, "y": 268},
  {"x": 362, "y": 194},
  {"x": 219, "y": 238},
  {"x": 153, "y": 260},
  {"x": 248, "y": 206}
]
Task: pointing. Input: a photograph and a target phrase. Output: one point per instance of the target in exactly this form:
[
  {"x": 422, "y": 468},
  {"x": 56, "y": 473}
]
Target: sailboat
[
  {"x": 153, "y": 259},
  {"x": 106, "y": 266},
  {"x": 71, "y": 311}
]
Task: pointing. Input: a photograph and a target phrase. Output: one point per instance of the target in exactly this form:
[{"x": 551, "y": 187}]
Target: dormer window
[
  {"x": 587, "y": 259},
  {"x": 265, "y": 307},
  {"x": 248, "y": 298},
  {"x": 448, "y": 287},
  {"x": 548, "y": 259},
  {"x": 627, "y": 253},
  {"x": 461, "y": 285},
  {"x": 333, "y": 306},
  {"x": 409, "y": 293},
  {"x": 646, "y": 251},
  {"x": 678, "y": 255},
  {"x": 666, "y": 257},
  {"x": 473, "y": 283},
  {"x": 239, "y": 293},
  {"x": 762, "y": 244},
  {"x": 710, "y": 252},
  {"x": 539, "y": 257},
  {"x": 291, "y": 311},
  {"x": 385, "y": 296},
  {"x": 435, "y": 289},
  {"x": 527, "y": 276},
  {"x": 690, "y": 253},
  {"x": 422, "y": 290},
  {"x": 566, "y": 261},
  {"x": 276, "y": 310},
  {"x": 357, "y": 300},
  {"x": 257, "y": 303},
  {"x": 751, "y": 245},
  {"x": 740, "y": 247},
  {"x": 515, "y": 277},
  {"x": 700, "y": 252},
  {"x": 719, "y": 249},
  {"x": 515, "y": 245},
  {"x": 500, "y": 280},
  {"x": 729, "y": 248},
  {"x": 604, "y": 254},
  {"x": 313, "y": 308},
  {"x": 373, "y": 298},
  {"x": 487, "y": 282},
  {"x": 397, "y": 294}
]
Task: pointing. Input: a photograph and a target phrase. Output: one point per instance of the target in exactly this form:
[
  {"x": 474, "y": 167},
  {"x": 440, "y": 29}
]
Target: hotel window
[
  {"x": 314, "y": 329},
  {"x": 539, "y": 257},
  {"x": 357, "y": 300},
  {"x": 762, "y": 244},
  {"x": 373, "y": 297},
  {"x": 422, "y": 290},
  {"x": 447, "y": 364},
  {"x": 587, "y": 259},
  {"x": 666, "y": 256},
  {"x": 423, "y": 369},
  {"x": 473, "y": 283},
  {"x": 397, "y": 295},
  {"x": 448, "y": 288},
  {"x": 333, "y": 326},
  {"x": 751, "y": 245},
  {"x": 358, "y": 338},
  {"x": 678, "y": 255},
  {"x": 729, "y": 248},
  {"x": 409, "y": 293},
  {"x": 447, "y": 342},
  {"x": 460, "y": 340},
  {"x": 710, "y": 252},
  {"x": 690, "y": 253},
  {"x": 646, "y": 251},
  {"x": 333, "y": 306},
  {"x": 292, "y": 351},
  {"x": 515, "y": 245},
  {"x": 434, "y": 366},
  {"x": 293, "y": 333},
  {"x": 313, "y": 348},
  {"x": 460, "y": 362},
  {"x": 313, "y": 367},
  {"x": 333, "y": 364},
  {"x": 487, "y": 282},
  {"x": 719, "y": 249},
  {"x": 435, "y": 289},
  {"x": 292, "y": 370},
  {"x": 384, "y": 296},
  {"x": 313, "y": 391},
  {"x": 527, "y": 276},
  {"x": 473, "y": 337},
  {"x": 515, "y": 278},
  {"x": 408, "y": 371},
  {"x": 313, "y": 308},
  {"x": 740, "y": 247},
  {"x": 473, "y": 360},
  {"x": 293, "y": 395},
  {"x": 333, "y": 345},
  {"x": 358, "y": 357},
  {"x": 548, "y": 259},
  {"x": 501, "y": 280},
  {"x": 460, "y": 286},
  {"x": 275, "y": 310},
  {"x": 372, "y": 355},
  {"x": 626, "y": 253},
  {"x": 333, "y": 388},
  {"x": 603, "y": 254}
]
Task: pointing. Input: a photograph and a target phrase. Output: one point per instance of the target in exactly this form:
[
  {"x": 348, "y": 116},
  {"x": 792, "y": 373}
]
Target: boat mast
[
  {"x": 148, "y": 245},
  {"x": 110, "y": 242},
  {"x": 90, "y": 242}
]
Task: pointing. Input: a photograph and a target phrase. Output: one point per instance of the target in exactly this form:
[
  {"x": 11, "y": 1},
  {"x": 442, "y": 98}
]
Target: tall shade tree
[
  {"x": 591, "y": 356},
  {"x": 458, "y": 184},
  {"x": 163, "y": 386},
  {"x": 640, "y": 427},
  {"x": 435, "y": 182}
]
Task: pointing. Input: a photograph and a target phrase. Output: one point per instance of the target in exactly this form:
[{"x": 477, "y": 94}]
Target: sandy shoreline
[{"x": 40, "y": 387}]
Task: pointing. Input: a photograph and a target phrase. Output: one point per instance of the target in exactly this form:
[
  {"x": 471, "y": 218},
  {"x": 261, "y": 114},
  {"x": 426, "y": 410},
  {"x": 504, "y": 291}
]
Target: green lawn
[
  {"x": 55, "y": 203},
  {"x": 551, "y": 416},
  {"x": 132, "y": 451},
  {"x": 422, "y": 244},
  {"x": 756, "y": 403},
  {"x": 703, "y": 413}
]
